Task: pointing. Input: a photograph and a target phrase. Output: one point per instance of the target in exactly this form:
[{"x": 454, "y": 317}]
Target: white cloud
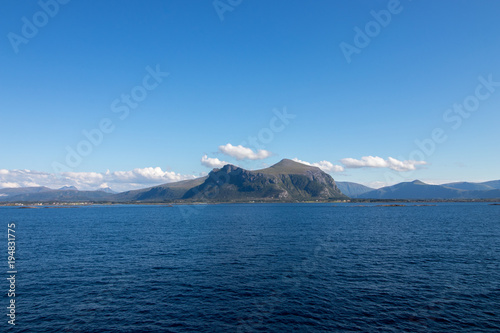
[
  {"x": 143, "y": 176},
  {"x": 323, "y": 165},
  {"x": 379, "y": 162},
  {"x": 377, "y": 184},
  {"x": 243, "y": 153},
  {"x": 12, "y": 185},
  {"x": 212, "y": 162},
  {"x": 117, "y": 180}
]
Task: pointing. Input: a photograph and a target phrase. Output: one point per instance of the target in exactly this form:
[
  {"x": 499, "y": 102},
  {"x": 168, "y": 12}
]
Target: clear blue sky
[{"x": 226, "y": 77}]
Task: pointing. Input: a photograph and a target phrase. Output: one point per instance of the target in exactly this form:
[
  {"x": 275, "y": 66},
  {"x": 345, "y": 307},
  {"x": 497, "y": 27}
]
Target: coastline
[{"x": 389, "y": 202}]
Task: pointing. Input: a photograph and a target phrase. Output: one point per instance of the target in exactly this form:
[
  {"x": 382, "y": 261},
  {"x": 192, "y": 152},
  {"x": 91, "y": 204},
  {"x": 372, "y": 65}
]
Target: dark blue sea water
[{"x": 256, "y": 268}]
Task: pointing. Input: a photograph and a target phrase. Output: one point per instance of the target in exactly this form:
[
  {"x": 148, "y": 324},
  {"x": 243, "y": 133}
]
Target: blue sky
[{"x": 227, "y": 79}]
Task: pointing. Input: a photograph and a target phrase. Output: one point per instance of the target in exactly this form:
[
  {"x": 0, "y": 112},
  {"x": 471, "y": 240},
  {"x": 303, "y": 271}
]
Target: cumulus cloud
[
  {"x": 212, "y": 162},
  {"x": 243, "y": 153},
  {"x": 323, "y": 165},
  {"x": 377, "y": 184},
  {"x": 379, "y": 162},
  {"x": 144, "y": 176},
  {"x": 10, "y": 185},
  {"x": 117, "y": 180}
]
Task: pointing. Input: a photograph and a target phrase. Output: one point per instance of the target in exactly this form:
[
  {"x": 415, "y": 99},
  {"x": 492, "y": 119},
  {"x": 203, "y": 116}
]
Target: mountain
[
  {"x": 68, "y": 188},
  {"x": 420, "y": 190},
  {"x": 58, "y": 196},
  {"x": 10, "y": 192},
  {"x": 288, "y": 167},
  {"x": 353, "y": 190},
  {"x": 107, "y": 190},
  {"x": 469, "y": 186},
  {"x": 414, "y": 190},
  {"x": 493, "y": 183},
  {"x": 165, "y": 192},
  {"x": 491, "y": 194},
  {"x": 285, "y": 181}
]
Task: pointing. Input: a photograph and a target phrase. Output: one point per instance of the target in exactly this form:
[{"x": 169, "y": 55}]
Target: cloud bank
[
  {"x": 323, "y": 165},
  {"x": 379, "y": 162},
  {"x": 117, "y": 180},
  {"x": 243, "y": 153}
]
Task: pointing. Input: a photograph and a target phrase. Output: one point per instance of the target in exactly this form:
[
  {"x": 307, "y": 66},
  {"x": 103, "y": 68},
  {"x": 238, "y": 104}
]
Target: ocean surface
[{"x": 255, "y": 268}]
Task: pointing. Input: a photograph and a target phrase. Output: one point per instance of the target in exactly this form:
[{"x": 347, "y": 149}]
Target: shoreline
[{"x": 389, "y": 202}]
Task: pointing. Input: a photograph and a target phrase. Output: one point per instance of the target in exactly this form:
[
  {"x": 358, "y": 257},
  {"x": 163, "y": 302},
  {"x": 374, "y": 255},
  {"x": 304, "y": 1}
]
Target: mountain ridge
[
  {"x": 353, "y": 190},
  {"x": 422, "y": 191},
  {"x": 285, "y": 181}
]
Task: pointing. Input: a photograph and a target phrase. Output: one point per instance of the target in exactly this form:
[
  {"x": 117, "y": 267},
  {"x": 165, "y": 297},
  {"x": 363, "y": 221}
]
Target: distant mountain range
[
  {"x": 286, "y": 181},
  {"x": 68, "y": 188},
  {"x": 486, "y": 186},
  {"x": 45, "y": 194},
  {"x": 160, "y": 193},
  {"x": 420, "y": 190},
  {"x": 353, "y": 190}
]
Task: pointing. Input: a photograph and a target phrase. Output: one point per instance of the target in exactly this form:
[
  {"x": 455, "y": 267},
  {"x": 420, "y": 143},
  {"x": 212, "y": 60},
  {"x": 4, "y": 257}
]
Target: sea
[{"x": 301, "y": 267}]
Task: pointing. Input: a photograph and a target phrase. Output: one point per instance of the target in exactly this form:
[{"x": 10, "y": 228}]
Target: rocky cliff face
[{"x": 292, "y": 182}]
